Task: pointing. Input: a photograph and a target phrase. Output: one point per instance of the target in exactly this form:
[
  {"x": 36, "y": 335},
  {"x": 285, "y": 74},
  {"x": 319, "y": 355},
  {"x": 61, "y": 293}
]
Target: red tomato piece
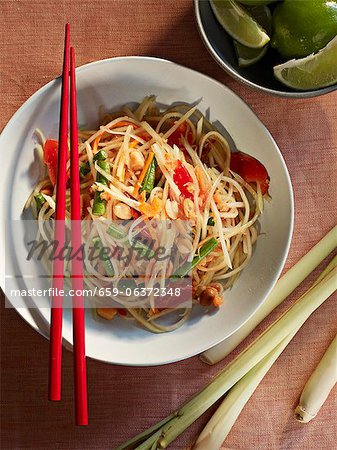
[
  {"x": 50, "y": 150},
  {"x": 175, "y": 137},
  {"x": 181, "y": 177},
  {"x": 250, "y": 169}
]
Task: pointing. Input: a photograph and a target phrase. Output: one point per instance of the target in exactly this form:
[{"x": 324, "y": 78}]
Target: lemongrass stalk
[
  {"x": 245, "y": 361},
  {"x": 217, "y": 429},
  {"x": 332, "y": 264},
  {"x": 151, "y": 442},
  {"x": 145, "y": 434},
  {"x": 222, "y": 421},
  {"x": 177, "y": 422},
  {"x": 318, "y": 386},
  {"x": 285, "y": 286},
  {"x": 169, "y": 428}
]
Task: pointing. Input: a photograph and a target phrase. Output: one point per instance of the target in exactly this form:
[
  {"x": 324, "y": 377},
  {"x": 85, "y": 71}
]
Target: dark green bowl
[{"x": 260, "y": 75}]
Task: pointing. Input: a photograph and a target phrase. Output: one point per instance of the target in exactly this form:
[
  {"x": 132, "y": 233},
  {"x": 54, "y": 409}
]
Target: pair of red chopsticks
[{"x": 55, "y": 361}]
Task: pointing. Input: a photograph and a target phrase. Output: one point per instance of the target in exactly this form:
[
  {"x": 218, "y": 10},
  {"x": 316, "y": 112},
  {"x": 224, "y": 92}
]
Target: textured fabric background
[{"x": 123, "y": 401}]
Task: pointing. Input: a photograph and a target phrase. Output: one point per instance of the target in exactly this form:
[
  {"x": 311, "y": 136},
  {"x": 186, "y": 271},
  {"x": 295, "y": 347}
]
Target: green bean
[
  {"x": 100, "y": 156},
  {"x": 40, "y": 200},
  {"x": 149, "y": 178},
  {"x": 84, "y": 169},
  {"x": 205, "y": 250},
  {"x": 114, "y": 231},
  {"x": 99, "y": 206}
]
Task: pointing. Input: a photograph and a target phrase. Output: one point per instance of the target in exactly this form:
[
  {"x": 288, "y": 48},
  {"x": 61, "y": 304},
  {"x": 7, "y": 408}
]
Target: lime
[
  {"x": 313, "y": 72},
  {"x": 239, "y": 23},
  {"x": 248, "y": 56},
  {"x": 302, "y": 27},
  {"x": 257, "y": 2}
]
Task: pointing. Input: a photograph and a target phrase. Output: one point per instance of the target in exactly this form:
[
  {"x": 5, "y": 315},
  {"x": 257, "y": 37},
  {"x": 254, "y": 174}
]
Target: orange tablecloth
[{"x": 124, "y": 400}]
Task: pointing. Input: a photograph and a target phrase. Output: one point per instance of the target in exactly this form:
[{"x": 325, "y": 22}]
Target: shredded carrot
[
  {"x": 95, "y": 144},
  {"x": 204, "y": 185},
  {"x": 142, "y": 197},
  {"x": 143, "y": 173},
  {"x": 133, "y": 144},
  {"x": 153, "y": 209},
  {"x": 218, "y": 199}
]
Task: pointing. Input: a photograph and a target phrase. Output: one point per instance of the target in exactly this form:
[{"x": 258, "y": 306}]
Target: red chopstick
[
  {"x": 55, "y": 357},
  {"x": 80, "y": 374},
  {"x": 55, "y": 349}
]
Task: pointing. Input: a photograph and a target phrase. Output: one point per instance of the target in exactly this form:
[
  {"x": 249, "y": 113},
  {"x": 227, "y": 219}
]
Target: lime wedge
[
  {"x": 248, "y": 56},
  {"x": 262, "y": 15},
  {"x": 313, "y": 72},
  {"x": 239, "y": 24}
]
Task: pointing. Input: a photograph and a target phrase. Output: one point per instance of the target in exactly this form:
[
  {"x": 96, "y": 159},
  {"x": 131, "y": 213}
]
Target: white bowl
[{"x": 111, "y": 83}]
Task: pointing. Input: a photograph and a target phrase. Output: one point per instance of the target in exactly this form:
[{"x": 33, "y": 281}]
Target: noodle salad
[{"x": 148, "y": 163}]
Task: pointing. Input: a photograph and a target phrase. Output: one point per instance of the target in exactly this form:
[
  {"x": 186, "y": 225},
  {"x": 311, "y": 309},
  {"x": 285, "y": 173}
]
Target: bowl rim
[
  {"x": 25, "y": 313},
  {"x": 228, "y": 68}
]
